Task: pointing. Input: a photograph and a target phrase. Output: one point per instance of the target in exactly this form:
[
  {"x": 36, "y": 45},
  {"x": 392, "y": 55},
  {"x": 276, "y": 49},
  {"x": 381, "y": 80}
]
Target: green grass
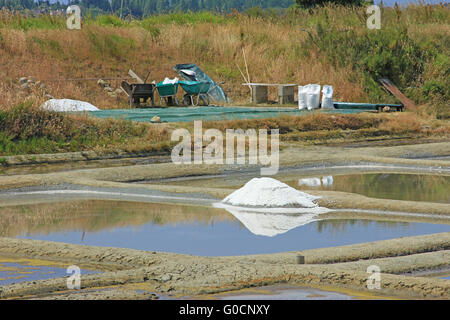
[
  {"x": 32, "y": 23},
  {"x": 24, "y": 130},
  {"x": 181, "y": 18},
  {"x": 108, "y": 44}
]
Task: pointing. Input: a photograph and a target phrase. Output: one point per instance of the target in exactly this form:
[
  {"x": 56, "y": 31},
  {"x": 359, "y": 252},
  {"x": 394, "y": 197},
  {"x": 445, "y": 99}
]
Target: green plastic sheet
[{"x": 188, "y": 114}]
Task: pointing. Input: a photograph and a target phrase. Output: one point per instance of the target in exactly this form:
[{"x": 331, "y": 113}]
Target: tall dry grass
[{"x": 278, "y": 50}]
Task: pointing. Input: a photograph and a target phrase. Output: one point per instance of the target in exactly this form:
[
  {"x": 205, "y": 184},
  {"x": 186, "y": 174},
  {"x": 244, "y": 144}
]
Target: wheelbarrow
[
  {"x": 138, "y": 91},
  {"x": 167, "y": 91},
  {"x": 196, "y": 90}
]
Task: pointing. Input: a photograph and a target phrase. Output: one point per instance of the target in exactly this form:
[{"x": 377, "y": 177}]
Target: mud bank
[
  {"x": 344, "y": 205},
  {"x": 309, "y": 158},
  {"x": 183, "y": 275}
]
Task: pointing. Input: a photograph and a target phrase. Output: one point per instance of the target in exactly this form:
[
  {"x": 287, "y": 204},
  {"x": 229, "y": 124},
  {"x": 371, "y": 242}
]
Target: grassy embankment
[{"x": 330, "y": 45}]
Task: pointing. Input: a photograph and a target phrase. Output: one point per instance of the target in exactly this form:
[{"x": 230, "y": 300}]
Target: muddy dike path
[{"x": 135, "y": 274}]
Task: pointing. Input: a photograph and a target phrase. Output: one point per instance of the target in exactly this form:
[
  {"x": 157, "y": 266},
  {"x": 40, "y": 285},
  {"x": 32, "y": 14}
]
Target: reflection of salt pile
[
  {"x": 270, "y": 224},
  {"x": 269, "y": 207},
  {"x": 67, "y": 105},
  {"x": 270, "y": 193}
]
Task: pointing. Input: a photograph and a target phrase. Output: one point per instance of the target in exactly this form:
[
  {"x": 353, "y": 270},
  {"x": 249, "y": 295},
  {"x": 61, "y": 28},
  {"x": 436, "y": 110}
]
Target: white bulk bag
[
  {"x": 67, "y": 105},
  {"x": 327, "y": 97},
  {"x": 313, "y": 96},
  {"x": 302, "y": 98}
]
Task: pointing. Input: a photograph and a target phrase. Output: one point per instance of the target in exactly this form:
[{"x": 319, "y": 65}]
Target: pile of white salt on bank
[
  {"x": 68, "y": 105},
  {"x": 269, "y": 207},
  {"x": 269, "y": 193}
]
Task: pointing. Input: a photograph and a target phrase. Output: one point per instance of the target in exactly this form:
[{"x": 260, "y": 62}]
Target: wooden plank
[
  {"x": 389, "y": 86},
  {"x": 135, "y": 76}
]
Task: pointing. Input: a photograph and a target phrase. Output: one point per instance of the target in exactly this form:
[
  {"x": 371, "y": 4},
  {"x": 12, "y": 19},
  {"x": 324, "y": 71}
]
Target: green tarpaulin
[{"x": 187, "y": 114}]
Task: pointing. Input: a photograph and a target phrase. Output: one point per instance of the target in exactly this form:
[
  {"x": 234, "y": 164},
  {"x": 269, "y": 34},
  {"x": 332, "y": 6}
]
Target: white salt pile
[
  {"x": 269, "y": 207},
  {"x": 67, "y": 105},
  {"x": 269, "y": 193}
]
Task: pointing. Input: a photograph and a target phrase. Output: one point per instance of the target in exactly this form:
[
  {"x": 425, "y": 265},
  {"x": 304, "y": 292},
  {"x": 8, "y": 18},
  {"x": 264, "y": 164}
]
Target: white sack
[
  {"x": 313, "y": 96},
  {"x": 302, "y": 97},
  {"x": 67, "y": 105},
  {"x": 327, "y": 97}
]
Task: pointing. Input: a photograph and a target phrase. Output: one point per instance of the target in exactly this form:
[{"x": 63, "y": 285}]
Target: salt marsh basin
[
  {"x": 191, "y": 230},
  {"x": 162, "y": 236}
]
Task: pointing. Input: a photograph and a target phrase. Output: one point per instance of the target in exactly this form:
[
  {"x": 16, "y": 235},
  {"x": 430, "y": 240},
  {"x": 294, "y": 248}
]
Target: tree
[{"x": 315, "y": 3}]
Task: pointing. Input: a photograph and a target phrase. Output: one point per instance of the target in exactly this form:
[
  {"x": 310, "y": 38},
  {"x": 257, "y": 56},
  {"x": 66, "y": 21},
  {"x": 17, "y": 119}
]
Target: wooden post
[{"x": 300, "y": 259}]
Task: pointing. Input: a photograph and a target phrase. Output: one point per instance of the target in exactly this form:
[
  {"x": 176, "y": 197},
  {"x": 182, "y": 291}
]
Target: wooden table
[{"x": 259, "y": 92}]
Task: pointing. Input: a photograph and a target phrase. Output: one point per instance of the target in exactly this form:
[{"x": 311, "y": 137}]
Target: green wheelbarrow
[
  {"x": 167, "y": 91},
  {"x": 196, "y": 90}
]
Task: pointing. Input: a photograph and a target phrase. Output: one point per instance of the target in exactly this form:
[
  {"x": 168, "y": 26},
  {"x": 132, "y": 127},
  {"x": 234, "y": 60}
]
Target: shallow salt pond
[
  {"x": 25, "y": 270},
  {"x": 411, "y": 187},
  {"x": 195, "y": 230},
  {"x": 281, "y": 292}
]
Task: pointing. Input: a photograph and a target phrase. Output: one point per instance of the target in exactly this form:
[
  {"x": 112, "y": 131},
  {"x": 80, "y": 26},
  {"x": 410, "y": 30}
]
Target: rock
[
  {"x": 118, "y": 91},
  {"x": 42, "y": 86},
  {"x": 166, "y": 277},
  {"x": 386, "y": 109},
  {"x": 101, "y": 82},
  {"x": 31, "y": 82},
  {"x": 156, "y": 119},
  {"x": 49, "y": 96},
  {"x": 108, "y": 89}
]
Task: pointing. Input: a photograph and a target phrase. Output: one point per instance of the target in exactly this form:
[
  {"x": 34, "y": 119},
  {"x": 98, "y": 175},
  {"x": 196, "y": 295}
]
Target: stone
[
  {"x": 108, "y": 89},
  {"x": 101, "y": 82},
  {"x": 166, "y": 277},
  {"x": 49, "y": 96},
  {"x": 118, "y": 91},
  {"x": 156, "y": 119}
]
